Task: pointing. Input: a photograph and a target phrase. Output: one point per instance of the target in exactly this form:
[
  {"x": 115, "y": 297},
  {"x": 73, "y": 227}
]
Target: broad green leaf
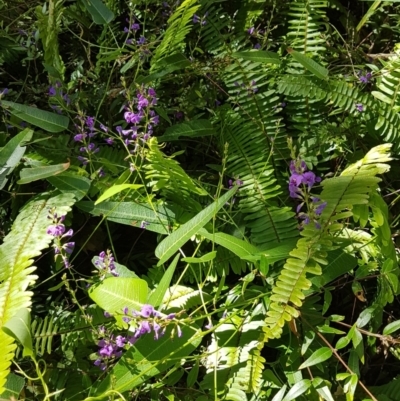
[
  {"x": 70, "y": 182},
  {"x": 46, "y": 120},
  {"x": 261, "y": 56},
  {"x": 11, "y": 154},
  {"x": 279, "y": 395},
  {"x": 365, "y": 317},
  {"x": 317, "y": 357},
  {"x": 343, "y": 342},
  {"x": 38, "y": 173},
  {"x": 149, "y": 358},
  {"x": 115, "y": 189},
  {"x": 173, "y": 242},
  {"x": 100, "y": 13},
  {"x": 115, "y": 293},
  {"x": 322, "y": 389},
  {"x": 13, "y": 387},
  {"x": 391, "y": 327},
  {"x": 191, "y": 129},
  {"x": 193, "y": 374},
  {"x": 203, "y": 259},
  {"x": 156, "y": 297},
  {"x": 235, "y": 245},
  {"x": 298, "y": 389},
  {"x": 309, "y": 64},
  {"x": 132, "y": 214},
  {"x": 19, "y": 327}
]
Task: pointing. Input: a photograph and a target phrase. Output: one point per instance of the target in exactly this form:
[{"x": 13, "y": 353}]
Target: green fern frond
[
  {"x": 43, "y": 332},
  {"x": 234, "y": 364},
  {"x": 178, "y": 27},
  {"x": 380, "y": 116},
  {"x": 389, "y": 82},
  {"x": 26, "y": 240},
  {"x": 352, "y": 187},
  {"x": 166, "y": 175}
]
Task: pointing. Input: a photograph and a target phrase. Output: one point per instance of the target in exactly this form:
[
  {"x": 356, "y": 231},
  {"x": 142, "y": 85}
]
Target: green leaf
[
  {"x": 132, "y": 214},
  {"x": 317, "y": 357},
  {"x": 235, "y": 245},
  {"x": 38, "y": 173},
  {"x": 70, "y": 182},
  {"x": 260, "y": 56},
  {"x": 191, "y": 129},
  {"x": 322, "y": 389},
  {"x": 11, "y": 154},
  {"x": 391, "y": 328},
  {"x": 279, "y": 395},
  {"x": 149, "y": 358},
  {"x": 19, "y": 327},
  {"x": 309, "y": 64},
  {"x": 13, "y": 387},
  {"x": 100, "y": 13},
  {"x": 115, "y": 189},
  {"x": 173, "y": 242},
  {"x": 156, "y": 297},
  {"x": 205, "y": 258},
  {"x": 299, "y": 388},
  {"x": 46, "y": 120},
  {"x": 115, "y": 293},
  {"x": 193, "y": 374}
]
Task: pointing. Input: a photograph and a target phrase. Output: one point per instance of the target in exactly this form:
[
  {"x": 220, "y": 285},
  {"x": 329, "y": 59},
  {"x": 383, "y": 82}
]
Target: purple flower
[
  {"x": 52, "y": 91},
  {"x": 69, "y": 247},
  {"x": 142, "y": 102},
  {"x": 179, "y": 331},
  {"x": 120, "y": 341},
  {"x": 156, "y": 328},
  {"x": 320, "y": 208},
  {"x": 106, "y": 314},
  {"x": 144, "y": 224},
  {"x": 359, "y": 107},
  {"x": 103, "y": 128},
  {"x": 257, "y": 46},
  {"x": 89, "y": 122},
  {"x": 118, "y": 129},
  {"x": 135, "y": 26},
  {"x": 4, "y": 92},
  {"x": 109, "y": 141},
  {"x": 129, "y": 41},
  {"x": 143, "y": 329},
  {"x": 251, "y": 30},
  {"x": 171, "y": 316},
  {"x": 309, "y": 179},
  {"x": 365, "y": 78},
  {"x": 141, "y": 41},
  {"x": 79, "y": 137},
  {"x": 147, "y": 310},
  {"x": 56, "y": 230},
  {"x": 196, "y": 19}
]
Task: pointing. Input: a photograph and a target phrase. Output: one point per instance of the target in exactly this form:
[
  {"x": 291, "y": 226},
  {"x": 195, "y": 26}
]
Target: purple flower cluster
[
  {"x": 141, "y": 119},
  {"x": 148, "y": 320},
  {"x": 110, "y": 348},
  {"x": 300, "y": 183},
  {"x": 257, "y": 33},
  {"x": 56, "y": 91},
  {"x": 57, "y": 231},
  {"x": 359, "y": 107},
  {"x": 200, "y": 20},
  {"x": 365, "y": 78},
  {"x": 86, "y": 131},
  {"x": 105, "y": 263},
  {"x": 237, "y": 182},
  {"x": 145, "y": 321}
]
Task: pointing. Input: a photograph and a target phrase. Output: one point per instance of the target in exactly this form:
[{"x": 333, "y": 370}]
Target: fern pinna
[
  {"x": 353, "y": 187},
  {"x": 25, "y": 241}
]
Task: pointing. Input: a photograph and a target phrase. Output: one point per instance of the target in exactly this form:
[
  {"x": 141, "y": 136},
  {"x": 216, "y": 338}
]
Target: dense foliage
[{"x": 199, "y": 200}]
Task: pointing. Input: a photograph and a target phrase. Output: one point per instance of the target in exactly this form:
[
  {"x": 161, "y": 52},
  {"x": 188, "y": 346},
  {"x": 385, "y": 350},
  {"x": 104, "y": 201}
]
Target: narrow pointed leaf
[
  {"x": 179, "y": 237},
  {"x": 11, "y": 154},
  {"x": 298, "y": 389},
  {"x": 115, "y": 189},
  {"x": 261, "y": 56},
  {"x": 317, "y": 357},
  {"x": 46, "y": 120},
  {"x": 191, "y": 129},
  {"x": 308, "y": 63},
  {"x": 157, "y": 296},
  {"x": 69, "y": 182},
  {"x": 38, "y": 173},
  {"x": 391, "y": 327}
]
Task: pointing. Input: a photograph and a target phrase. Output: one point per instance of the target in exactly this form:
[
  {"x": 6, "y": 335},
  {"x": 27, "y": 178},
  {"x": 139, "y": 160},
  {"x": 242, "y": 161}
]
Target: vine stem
[{"x": 340, "y": 359}]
